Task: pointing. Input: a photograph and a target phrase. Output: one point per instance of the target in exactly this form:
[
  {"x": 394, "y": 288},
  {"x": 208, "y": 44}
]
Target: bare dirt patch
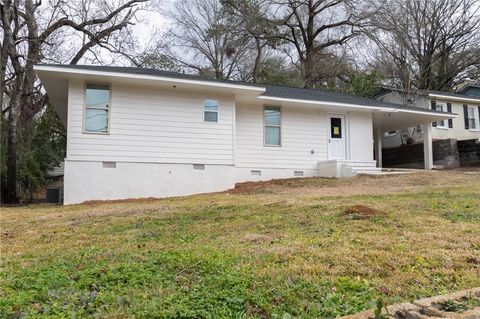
[
  {"x": 358, "y": 185},
  {"x": 358, "y": 212},
  {"x": 268, "y": 186}
]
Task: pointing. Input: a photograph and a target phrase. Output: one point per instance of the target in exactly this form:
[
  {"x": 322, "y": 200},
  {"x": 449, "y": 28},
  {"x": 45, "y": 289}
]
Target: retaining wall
[{"x": 445, "y": 154}]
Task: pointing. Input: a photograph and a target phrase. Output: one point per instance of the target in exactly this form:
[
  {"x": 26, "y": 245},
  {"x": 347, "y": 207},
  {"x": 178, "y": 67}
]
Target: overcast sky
[{"x": 153, "y": 20}]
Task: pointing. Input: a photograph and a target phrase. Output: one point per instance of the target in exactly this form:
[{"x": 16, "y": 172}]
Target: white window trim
[
  {"x": 476, "y": 116},
  {"x": 109, "y": 109},
  {"x": 217, "y": 111},
  {"x": 265, "y": 126},
  {"x": 445, "y": 122}
]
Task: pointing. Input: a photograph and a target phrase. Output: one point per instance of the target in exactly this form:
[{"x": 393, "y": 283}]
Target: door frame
[{"x": 346, "y": 132}]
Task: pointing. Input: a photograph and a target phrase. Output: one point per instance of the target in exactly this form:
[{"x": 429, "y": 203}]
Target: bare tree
[
  {"x": 428, "y": 44},
  {"x": 60, "y": 31},
  {"x": 252, "y": 16},
  {"x": 212, "y": 43},
  {"x": 315, "y": 27}
]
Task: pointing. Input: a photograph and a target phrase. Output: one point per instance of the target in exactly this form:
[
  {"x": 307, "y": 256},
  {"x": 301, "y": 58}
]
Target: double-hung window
[
  {"x": 442, "y": 108},
  {"x": 97, "y": 107},
  {"x": 210, "y": 111},
  {"x": 473, "y": 117},
  {"x": 272, "y": 122}
]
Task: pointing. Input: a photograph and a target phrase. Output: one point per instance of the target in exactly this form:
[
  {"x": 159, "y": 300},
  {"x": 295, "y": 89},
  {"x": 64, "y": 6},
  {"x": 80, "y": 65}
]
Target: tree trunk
[
  {"x": 11, "y": 191},
  {"x": 258, "y": 59},
  {"x": 308, "y": 71}
]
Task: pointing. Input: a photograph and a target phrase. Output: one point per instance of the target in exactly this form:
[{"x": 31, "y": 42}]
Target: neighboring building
[
  {"x": 472, "y": 90},
  {"x": 134, "y": 133},
  {"x": 466, "y": 126}
]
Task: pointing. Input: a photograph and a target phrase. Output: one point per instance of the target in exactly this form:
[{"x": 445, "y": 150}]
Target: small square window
[{"x": 210, "y": 111}]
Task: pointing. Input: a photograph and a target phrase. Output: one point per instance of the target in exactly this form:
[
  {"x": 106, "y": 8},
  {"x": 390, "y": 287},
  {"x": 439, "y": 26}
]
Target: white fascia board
[
  {"x": 364, "y": 107},
  {"x": 455, "y": 98},
  {"x": 132, "y": 76}
]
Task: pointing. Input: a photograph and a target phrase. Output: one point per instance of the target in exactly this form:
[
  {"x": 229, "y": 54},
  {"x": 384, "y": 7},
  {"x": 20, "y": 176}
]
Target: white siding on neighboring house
[
  {"x": 458, "y": 130},
  {"x": 302, "y": 131},
  {"x": 153, "y": 125}
]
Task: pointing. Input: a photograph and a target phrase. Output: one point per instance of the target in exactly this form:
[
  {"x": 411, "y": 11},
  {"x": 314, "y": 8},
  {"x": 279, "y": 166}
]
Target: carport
[{"x": 396, "y": 118}]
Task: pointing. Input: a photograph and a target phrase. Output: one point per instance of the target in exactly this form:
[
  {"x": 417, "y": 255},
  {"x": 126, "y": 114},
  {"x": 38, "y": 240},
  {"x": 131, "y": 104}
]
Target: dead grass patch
[{"x": 257, "y": 238}]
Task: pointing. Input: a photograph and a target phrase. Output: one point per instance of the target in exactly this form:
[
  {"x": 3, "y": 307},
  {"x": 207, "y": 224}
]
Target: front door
[{"x": 336, "y": 137}]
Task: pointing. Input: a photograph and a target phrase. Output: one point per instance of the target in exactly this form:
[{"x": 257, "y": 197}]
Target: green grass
[{"x": 276, "y": 250}]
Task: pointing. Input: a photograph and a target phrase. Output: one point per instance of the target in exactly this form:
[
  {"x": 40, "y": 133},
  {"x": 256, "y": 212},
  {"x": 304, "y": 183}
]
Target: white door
[{"x": 336, "y": 137}]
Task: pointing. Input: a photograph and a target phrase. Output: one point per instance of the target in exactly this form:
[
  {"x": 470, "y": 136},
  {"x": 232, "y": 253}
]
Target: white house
[
  {"x": 136, "y": 133},
  {"x": 464, "y": 127}
]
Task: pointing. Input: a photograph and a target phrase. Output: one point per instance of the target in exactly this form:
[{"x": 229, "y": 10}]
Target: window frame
[
  {"x": 84, "y": 130},
  {"x": 443, "y": 108},
  {"x": 217, "y": 111},
  {"x": 476, "y": 118},
  {"x": 265, "y": 126}
]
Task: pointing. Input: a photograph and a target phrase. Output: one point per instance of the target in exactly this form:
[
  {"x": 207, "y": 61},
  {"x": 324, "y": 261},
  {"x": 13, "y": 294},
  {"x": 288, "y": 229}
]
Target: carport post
[
  {"x": 378, "y": 147},
  {"x": 427, "y": 145}
]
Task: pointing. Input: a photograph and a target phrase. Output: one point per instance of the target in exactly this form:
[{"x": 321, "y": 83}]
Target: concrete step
[{"x": 361, "y": 169}]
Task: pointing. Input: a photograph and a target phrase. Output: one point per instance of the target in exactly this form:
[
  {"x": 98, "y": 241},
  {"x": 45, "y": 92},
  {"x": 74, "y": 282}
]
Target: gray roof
[
  {"x": 384, "y": 90},
  {"x": 325, "y": 96},
  {"x": 468, "y": 88},
  {"x": 271, "y": 90}
]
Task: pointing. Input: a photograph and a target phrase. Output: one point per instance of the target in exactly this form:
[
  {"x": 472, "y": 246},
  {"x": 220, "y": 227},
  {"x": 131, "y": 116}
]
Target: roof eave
[
  {"x": 454, "y": 98},
  {"x": 153, "y": 78},
  {"x": 385, "y": 109}
]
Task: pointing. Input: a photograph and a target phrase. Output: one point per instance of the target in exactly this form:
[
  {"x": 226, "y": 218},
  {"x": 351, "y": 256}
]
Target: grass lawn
[{"x": 271, "y": 250}]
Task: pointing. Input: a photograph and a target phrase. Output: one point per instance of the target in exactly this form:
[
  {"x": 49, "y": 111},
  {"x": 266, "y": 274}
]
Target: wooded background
[{"x": 352, "y": 46}]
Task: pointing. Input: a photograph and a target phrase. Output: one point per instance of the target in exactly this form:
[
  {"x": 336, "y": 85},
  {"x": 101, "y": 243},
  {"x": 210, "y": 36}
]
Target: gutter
[
  {"x": 454, "y": 98},
  {"x": 365, "y": 107}
]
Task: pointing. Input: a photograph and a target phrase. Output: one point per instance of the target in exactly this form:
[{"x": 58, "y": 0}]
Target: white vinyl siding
[
  {"x": 303, "y": 131},
  {"x": 360, "y": 136},
  {"x": 150, "y": 124}
]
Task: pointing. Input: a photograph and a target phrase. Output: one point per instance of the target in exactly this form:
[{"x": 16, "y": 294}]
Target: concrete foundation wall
[{"x": 86, "y": 181}]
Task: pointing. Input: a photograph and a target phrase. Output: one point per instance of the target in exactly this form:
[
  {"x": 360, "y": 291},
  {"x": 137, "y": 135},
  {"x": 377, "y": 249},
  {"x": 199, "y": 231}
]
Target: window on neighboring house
[
  {"x": 97, "y": 106},
  {"x": 210, "y": 111},
  {"x": 473, "y": 118},
  {"x": 271, "y": 116},
  {"x": 442, "y": 108}
]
